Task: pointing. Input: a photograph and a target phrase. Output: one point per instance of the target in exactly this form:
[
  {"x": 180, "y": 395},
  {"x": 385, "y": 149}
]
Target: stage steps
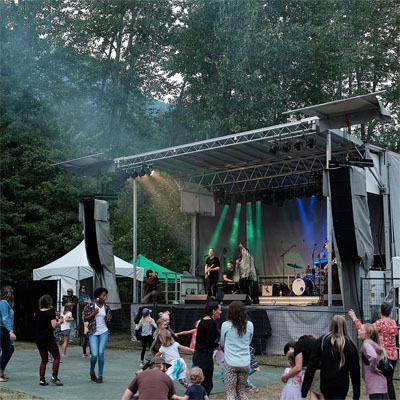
[{"x": 290, "y": 300}]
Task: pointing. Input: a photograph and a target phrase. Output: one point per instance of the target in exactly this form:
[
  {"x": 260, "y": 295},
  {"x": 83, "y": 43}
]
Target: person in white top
[
  {"x": 98, "y": 314},
  {"x": 170, "y": 352},
  {"x": 66, "y": 327}
]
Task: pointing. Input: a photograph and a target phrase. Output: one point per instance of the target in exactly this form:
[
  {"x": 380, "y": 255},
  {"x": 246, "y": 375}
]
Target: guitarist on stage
[{"x": 211, "y": 270}]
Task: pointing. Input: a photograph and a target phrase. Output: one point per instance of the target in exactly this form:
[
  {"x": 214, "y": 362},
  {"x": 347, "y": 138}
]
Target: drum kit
[{"x": 309, "y": 283}]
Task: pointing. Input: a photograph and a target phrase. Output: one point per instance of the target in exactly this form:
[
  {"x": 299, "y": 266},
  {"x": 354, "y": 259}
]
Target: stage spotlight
[
  {"x": 286, "y": 146},
  {"x": 299, "y": 192},
  {"x": 298, "y": 144},
  {"x": 274, "y": 148},
  {"x": 142, "y": 171},
  {"x": 134, "y": 174},
  {"x": 228, "y": 200},
  {"x": 308, "y": 191},
  {"x": 310, "y": 143}
]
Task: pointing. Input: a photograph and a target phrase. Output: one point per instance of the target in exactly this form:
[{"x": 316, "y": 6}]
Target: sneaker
[
  {"x": 43, "y": 383},
  {"x": 141, "y": 365},
  {"x": 84, "y": 355},
  {"x": 100, "y": 379},
  {"x": 56, "y": 381}
]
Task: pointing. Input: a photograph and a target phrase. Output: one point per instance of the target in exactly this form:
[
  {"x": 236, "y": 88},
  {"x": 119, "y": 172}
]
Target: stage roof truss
[{"x": 247, "y": 161}]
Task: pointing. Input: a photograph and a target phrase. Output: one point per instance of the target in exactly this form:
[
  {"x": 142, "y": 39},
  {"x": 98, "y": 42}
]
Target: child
[
  {"x": 192, "y": 332},
  {"x": 292, "y": 388},
  {"x": 66, "y": 327},
  {"x": 147, "y": 324},
  {"x": 250, "y": 387},
  {"x": 195, "y": 391},
  {"x": 170, "y": 351}
]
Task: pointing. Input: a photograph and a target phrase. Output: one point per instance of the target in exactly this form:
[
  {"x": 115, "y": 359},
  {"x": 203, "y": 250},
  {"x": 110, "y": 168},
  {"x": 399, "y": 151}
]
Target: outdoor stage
[{"x": 274, "y": 325}]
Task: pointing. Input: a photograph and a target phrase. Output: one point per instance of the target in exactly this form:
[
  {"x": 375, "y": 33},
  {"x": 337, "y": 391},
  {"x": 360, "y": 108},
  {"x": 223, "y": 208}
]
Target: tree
[{"x": 39, "y": 218}]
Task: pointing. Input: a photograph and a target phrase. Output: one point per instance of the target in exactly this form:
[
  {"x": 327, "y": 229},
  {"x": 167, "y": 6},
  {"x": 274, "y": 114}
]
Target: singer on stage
[{"x": 211, "y": 270}]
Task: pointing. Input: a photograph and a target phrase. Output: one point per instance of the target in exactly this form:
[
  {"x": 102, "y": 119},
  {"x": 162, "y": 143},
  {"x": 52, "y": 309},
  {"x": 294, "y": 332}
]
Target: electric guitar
[{"x": 209, "y": 270}]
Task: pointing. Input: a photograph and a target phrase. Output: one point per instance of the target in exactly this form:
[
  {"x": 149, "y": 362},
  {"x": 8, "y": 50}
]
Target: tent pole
[
  {"x": 134, "y": 241},
  {"x": 329, "y": 218}
]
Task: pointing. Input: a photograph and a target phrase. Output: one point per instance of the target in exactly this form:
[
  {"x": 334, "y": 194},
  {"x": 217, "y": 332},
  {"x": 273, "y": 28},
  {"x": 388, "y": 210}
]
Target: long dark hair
[{"x": 237, "y": 314}]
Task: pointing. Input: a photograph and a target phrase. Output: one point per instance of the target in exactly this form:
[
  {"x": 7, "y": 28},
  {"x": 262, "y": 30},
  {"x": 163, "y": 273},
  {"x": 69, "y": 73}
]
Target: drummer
[{"x": 230, "y": 283}]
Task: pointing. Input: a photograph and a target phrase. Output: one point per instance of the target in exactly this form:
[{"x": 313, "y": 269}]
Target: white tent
[{"x": 74, "y": 266}]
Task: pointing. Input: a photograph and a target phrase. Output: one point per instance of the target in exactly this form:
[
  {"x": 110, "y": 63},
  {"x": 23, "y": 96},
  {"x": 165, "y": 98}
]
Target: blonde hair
[
  {"x": 68, "y": 307},
  {"x": 196, "y": 375},
  {"x": 147, "y": 320},
  {"x": 160, "y": 321},
  {"x": 337, "y": 335},
  {"x": 166, "y": 338},
  {"x": 164, "y": 315},
  {"x": 372, "y": 333}
]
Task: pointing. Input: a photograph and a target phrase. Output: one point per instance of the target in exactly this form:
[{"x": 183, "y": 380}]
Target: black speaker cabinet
[
  {"x": 196, "y": 299},
  {"x": 342, "y": 212},
  {"x": 229, "y": 298}
]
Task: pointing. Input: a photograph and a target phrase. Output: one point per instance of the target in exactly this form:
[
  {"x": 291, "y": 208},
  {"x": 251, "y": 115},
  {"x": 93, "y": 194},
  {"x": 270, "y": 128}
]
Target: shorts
[
  {"x": 316, "y": 383},
  {"x": 66, "y": 332}
]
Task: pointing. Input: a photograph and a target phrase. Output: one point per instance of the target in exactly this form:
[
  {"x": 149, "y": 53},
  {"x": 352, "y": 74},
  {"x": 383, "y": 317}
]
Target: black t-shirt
[
  {"x": 304, "y": 346},
  {"x": 196, "y": 392},
  {"x": 44, "y": 329},
  {"x": 215, "y": 262},
  {"x": 229, "y": 274},
  {"x": 207, "y": 334}
]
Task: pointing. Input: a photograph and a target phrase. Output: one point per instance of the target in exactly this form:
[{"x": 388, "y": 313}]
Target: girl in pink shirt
[{"x": 192, "y": 332}]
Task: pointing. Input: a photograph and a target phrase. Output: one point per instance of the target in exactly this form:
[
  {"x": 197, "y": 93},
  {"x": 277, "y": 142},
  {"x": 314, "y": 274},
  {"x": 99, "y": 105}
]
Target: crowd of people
[{"x": 320, "y": 366}]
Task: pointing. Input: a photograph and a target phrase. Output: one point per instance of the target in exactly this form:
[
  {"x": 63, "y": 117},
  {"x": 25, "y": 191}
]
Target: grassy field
[{"x": 122, "y": 342}]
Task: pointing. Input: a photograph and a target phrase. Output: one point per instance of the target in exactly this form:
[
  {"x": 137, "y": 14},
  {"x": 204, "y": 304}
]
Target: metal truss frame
[{"x": 303, "y": 127}]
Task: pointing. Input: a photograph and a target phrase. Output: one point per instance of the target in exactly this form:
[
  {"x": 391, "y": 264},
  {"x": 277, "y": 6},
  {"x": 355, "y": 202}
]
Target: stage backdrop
[{"x": 271, "y": 230}]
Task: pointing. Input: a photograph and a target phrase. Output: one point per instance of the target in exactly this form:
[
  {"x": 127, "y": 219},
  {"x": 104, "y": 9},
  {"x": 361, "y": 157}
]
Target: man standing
[
  {"x": 71, "y": 298},
  {"x": 152, "y": 384},
  {"x": 211, "y": 270},
  {"x": 246, "y": 268}
]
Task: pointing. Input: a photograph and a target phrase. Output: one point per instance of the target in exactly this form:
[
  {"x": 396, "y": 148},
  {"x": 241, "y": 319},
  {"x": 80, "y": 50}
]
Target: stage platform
[
  {"x": 274, "y": 325},
  {"x": 290, "y": 300}
]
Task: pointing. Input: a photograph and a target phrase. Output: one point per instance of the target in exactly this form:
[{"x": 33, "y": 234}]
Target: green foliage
[
  {"x": 39, "y": 215},
  {"x": 163, "y": 231},
  {"x": 81, "y": 79}
]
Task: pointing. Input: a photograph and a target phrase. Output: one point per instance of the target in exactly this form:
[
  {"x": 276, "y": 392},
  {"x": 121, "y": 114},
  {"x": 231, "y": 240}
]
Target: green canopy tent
[{"x": 147, "y": 264}]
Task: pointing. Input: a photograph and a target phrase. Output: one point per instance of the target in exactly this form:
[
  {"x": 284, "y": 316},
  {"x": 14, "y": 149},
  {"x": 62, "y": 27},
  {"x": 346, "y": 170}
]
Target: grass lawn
[{"x": 122, "y": 342}]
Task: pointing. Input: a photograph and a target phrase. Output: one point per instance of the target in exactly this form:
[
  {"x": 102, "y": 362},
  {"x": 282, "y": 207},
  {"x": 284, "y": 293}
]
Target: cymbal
[{"x": 295, "y": 266}]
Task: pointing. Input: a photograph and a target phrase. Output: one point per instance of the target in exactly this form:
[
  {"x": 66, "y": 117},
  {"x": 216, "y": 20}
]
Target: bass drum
[{"x": 301, "y": 286}]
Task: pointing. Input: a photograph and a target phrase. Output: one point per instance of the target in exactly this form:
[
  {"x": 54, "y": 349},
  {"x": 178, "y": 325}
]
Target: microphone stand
[{"x": 283, "y": 261}]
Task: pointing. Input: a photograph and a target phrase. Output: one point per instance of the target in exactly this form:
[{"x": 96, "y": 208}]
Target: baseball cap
[
  {"x": 146, "y": 312},
  {"x": 70, "y": 290},
  {"x": 157, "y": 360}
]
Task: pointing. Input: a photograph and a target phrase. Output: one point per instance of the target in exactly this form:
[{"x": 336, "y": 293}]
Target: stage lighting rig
[
  {"x": 274, "y": 148},
  {"x": 286, "y": 146},
  {"x": 310, "y": 142},
  {"x": 299, "y": 144}
]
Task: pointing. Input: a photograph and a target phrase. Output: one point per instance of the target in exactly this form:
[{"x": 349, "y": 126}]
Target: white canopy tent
[{"x": 74, "y": 266}]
